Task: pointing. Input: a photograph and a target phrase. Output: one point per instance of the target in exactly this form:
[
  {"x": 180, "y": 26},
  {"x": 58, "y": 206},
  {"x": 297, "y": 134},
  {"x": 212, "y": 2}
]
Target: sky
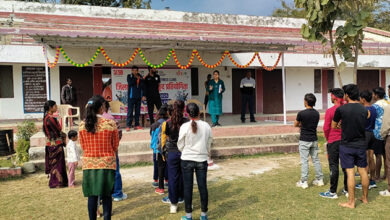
[{"x": 246, "y": 7}]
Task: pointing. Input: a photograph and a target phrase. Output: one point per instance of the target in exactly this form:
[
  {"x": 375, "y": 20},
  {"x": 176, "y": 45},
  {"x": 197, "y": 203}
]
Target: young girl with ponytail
[
  {"x": 54, "y": 150},
  {"x": 99, "y": 140},
  {"x": 194, "y": 142}
]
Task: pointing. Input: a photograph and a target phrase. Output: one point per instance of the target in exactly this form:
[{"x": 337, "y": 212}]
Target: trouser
[
  {"x": 247, "y": 100},
  {"x": 200, "y": 169},
  {"x": 387, "y": 161},
  {"x": 334, "y": 161},
  {"x": 306, "y": 149},
  {"x": 151, "y": 102},
  {"x": 133, "y": 105},
  {"x": 118, "y": 181},
  {"x": 155, "y": 167},
  {"x": 72, "y": 167},
  {"x": 206, "y": 101},
  {"x": 162, "y": 170},
  {"x": 215, "y": 118},
  {"x": 93, "y": 206},
  {"x": 175, "y": 177}
]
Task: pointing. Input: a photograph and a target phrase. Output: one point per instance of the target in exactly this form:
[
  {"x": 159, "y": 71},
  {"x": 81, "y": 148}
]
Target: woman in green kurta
[{"x": 215, "y": 88}]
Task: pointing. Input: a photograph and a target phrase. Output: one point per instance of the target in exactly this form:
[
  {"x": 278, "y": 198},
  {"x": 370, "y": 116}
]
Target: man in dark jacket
[
  {"x": 247, "y": 87},
  {"x": 135, "y": 94},
  {"x": 152, "y": 84},
  {"x": 67, "y": 96}
]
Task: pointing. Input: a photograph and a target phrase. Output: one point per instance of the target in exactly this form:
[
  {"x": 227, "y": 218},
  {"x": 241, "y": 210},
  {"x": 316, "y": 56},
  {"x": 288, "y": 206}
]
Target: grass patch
[
  {"x": 272, "y": 195},
  {"x": 5, "y": 162},
  {"x": 137, "y": 164},
  {"x": 245, "y": 156}
]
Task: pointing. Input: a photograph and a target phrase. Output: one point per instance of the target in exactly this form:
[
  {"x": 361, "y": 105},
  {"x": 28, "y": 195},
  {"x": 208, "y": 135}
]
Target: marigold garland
[
  {"x": 78, "y": 64},
  {"x": 208, "y": 65},
  {"x": 152, "y": 65},
  {"x": 269, "y": 68},
  {"x": 242, "y": 66},
  {"x": 119, "y": 64},
  {"x": 52, "y": 65},
  {"x": 189, "y": 62}
]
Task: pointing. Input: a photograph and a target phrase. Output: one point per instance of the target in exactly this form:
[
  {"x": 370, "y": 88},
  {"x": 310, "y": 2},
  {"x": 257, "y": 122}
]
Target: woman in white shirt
[{"x": 194, "y": 142}]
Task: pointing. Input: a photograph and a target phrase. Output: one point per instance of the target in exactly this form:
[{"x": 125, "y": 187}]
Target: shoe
[
  {"x": 218, "y": 124},
  {"x": 357, "y": 174},
  {"x": 318, "y": 182},
  {"x": 345, "y": 192},
  {"x": 185, "y": 218},
  {"x": 173, "y": 209},
  {"x": 203, "y": 217},
  {"x": 166, "y": 200},
  {"x": 213, "y": 125},
  {"x": 180, "y": 200},
  {"x": 127, "y": 129},
  {"x": 166, "y": 183},
  {"x": 159, "y": 191},
  {"x": 385, "y": 193},
  {"x": 329, "y": 195},
  {"x": 303, "y": 185},
  {"x": 253, "y": 121},
  {"x": 138, "y": 128},
  {"x": 243, "y": 121},
  {"x": 359, "y": 186},
  {"x": 124, "y": 196},
  {"x": 372, "y": 184},
  {"x": 155, "y": 183}
]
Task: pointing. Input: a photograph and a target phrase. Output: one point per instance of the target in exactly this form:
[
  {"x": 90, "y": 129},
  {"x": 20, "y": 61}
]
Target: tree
[
  {"x": 108, "y": 3},
  {"x": 321, "y": 16},
  {"x": 288, "y": 11},
  {"x": 381, "y": 15}
]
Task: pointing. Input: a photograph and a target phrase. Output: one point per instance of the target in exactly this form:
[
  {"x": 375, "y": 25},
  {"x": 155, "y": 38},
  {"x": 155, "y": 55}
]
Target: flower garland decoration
[
  {"x": 269, "y": 68},
  {"x": 78, "y": 64},
  {"x": 208, "y": 65},
  {"x": 189, "y": 62},
  {"x": 52, "y": 65},
  {"x": 152, "y": 65},
  {"x": 242, "y": 66},
  {"x": 119, "y": 64}
]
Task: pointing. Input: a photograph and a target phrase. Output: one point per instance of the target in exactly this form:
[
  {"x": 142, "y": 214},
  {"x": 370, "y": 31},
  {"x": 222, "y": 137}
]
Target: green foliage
[
  {"x": 108, "y": 3},
  {"x": 22, "y": 148},
  {"x": 288, "y": 11},
  {"x": 26, "y": 130}
]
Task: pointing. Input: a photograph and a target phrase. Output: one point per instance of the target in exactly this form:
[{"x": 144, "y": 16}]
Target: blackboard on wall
[{"x": 34, "y": 88}]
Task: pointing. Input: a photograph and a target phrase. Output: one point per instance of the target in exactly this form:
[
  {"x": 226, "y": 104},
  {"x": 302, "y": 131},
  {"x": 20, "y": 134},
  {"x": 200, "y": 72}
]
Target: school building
[{"x": 80, "y": 30}]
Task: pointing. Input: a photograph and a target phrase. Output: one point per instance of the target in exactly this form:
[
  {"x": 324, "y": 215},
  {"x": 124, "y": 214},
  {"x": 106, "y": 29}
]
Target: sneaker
[
  {"x": 357, "y": 174},
  {"x": 318, "y": 182},
  {"x": 185, "y": 218},
  {"x": 166, "y": 200},
  {"x": 138, "y": 128},
  {"x": 329, "y": 195},
  {"x": 166, "y": 183},
  {"x": 303, "y": 185},
  {"x": 159, "y": 191},
  {"x": 127, "y": 129},
  {"x": 213, "y": 125},
  {"x": 384, "y": 193},
  {"x": 345, "y": 192},
  {"x": 203, "y": 217},
  {"x": 218, "y": 124},
  {"x": 253, "y": 121},
  {"x": 173, "y": 209},
  {"x": 155, "y": 183},
  {"x": 372, "y": 184},
  {"x": 359, "y": 186},
  {"x": 180, "y": 200},
  {"x": 124, "y": 196}
]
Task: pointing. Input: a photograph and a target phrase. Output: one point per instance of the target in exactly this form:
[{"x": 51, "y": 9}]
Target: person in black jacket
[
  {"x": 67, "y": 94},
  {"x": 135, "y": 94},
  {"x": 152, "y": 84},
  {"x": 247, "y": 87}
]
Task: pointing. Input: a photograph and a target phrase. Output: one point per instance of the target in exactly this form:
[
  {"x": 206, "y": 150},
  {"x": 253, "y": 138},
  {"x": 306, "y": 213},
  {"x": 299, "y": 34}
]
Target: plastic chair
[
  {"x": 65, "y": 112},
  {"x": 202, "y": 107}
]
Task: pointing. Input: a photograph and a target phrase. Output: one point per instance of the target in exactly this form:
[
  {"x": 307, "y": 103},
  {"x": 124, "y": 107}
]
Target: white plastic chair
[{"x": 65, "y": 112}]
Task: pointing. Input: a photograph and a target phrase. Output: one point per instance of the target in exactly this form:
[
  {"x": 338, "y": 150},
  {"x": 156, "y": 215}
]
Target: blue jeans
[
  {"x": 133, "y": 105},
  {"x": 215, "y": 119},
  {"x": 175, "y": 177},
  {"x": 200, "y": 169},
  {"x": 306, "y": 149},
  {"x": 118, "y": 181}
]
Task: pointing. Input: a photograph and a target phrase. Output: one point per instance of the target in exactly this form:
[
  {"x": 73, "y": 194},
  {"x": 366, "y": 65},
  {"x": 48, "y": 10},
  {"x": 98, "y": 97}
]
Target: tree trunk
[
  {"x": 336, "y": 66},
  {"x": 355, "y": 66}
]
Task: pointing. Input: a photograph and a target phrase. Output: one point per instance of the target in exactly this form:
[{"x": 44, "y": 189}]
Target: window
[
  {"x": 330, "y": 79},
  {"x": 194, "y": 81},
  {"x": 6, "y": 82},
  {"x": 317, "y": 81}
]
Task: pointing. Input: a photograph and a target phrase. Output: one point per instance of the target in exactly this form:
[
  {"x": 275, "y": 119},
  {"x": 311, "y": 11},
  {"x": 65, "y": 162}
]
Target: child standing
[
  {"x": 194, "y": 142},
  {"x": 72, "y": 156},
  {"x": 307, "y": 120}
]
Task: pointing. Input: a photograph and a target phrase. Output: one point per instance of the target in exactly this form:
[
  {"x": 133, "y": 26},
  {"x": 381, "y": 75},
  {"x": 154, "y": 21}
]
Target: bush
[
  {"x": 22, "y": 148},
  {"x": 26, "y": 130}
]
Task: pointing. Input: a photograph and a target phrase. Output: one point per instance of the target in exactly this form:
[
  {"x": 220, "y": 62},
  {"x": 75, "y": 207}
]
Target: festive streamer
[
  {"x": 242, "y": 66},
  {"x": 269, "y": 68},
  {"x": 208, "y": 65},
  {"x": 52, "y": 65},
  {"x": 152, "y": 65},
  {"x": 189, "y": 62},
  {"x": 78, "y": 64},
  {"x": 119, "y": 64}
]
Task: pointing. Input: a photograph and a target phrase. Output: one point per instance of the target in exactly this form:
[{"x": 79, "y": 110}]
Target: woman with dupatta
[{"x": 215, "y": 88}]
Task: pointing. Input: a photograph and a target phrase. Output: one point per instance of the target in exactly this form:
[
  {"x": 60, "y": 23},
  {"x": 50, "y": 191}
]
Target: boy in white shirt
[{"x": 72, "y": 156}]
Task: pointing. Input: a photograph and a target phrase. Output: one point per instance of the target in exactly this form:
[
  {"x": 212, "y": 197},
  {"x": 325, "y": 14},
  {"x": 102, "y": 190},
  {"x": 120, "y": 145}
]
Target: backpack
[
  {"x": 162, "y": 139},
  {"x": 154, "y": 145}
]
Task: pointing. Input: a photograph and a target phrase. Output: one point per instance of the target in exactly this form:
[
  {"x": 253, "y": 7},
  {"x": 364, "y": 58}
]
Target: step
[{"x": 147, "y": 156}]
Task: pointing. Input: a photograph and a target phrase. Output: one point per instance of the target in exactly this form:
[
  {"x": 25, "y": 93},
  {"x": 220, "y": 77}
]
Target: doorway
[
  {"x": 367, "y": 79},
  {"x": 272, "y": 92},
  {"x": 238, "y": 75},
  {"x": 82, "y": 82}
]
